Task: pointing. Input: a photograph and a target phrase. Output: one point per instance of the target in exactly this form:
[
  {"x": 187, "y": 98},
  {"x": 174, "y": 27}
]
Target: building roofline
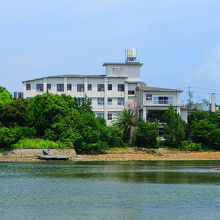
[
  {"x": 126, "y": 63},
  {"x": 74, "y": 76},
  {"x": 158, "y": 89}
]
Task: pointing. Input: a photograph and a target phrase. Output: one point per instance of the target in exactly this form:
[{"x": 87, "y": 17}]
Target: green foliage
[
  {"x": 146, "y": 134},
  {"x": 9, "y": 136},
  {"x": 14, "y": 113},
  {"x": 5, "y": 97},
  {"x": 204, "y": 128},
  {"x": 44, "y": 110},
  {"x": 174, "y": 128},
  {"x": 190, "y": 146},
  {"x": 206, "y": 133},
  {"x": 36, "y": 144},
  {"x": 125, "y": 122}
]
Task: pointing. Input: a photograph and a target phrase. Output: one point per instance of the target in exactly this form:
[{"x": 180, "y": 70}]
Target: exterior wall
[
  {"x": 175, "y": 95},
  {"x": 93, "y": 94},
  {"x": 130, "y": 70}
]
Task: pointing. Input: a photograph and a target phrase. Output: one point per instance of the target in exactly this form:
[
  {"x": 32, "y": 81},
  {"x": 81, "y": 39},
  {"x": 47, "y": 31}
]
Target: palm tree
[{"x": 125, "y": 122}]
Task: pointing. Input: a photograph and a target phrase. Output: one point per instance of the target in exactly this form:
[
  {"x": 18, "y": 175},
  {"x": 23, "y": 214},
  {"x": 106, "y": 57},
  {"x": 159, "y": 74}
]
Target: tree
[
  {"x": 204, "y": 128},
  {"x": 146, "y": 134},
  {"x": 14, "y": 113},
  {"x": 5, "y": 97},
  {"x": 44, "y": 110},
  {"x": 125, "y": 122},
  {"x": 174, "y": 128}
]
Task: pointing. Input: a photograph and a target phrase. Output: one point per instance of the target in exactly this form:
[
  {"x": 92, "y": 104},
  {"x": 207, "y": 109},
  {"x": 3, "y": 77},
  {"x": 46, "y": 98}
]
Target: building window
[
  {"x": 48, "y": 86},
  {"x": 69, "y": 86},
  {"x": 100, "y": 101},
  {"x": 80, "y": 100},
  {"x": 89, "y": 87},
  {"x": 101, "y": 115},
  {"x": 90, "y": 101},
  {"x": 80, "y": 87},
  {"x": 149, "y": 97},
  {"x": 109, "y": 101},
  {"x": 130, "y": 92},
  {"x": 60, "y": 87},
  {"x": 101, "y": 87},
  {"x": 166, "y": 100},
  {"x": 28, "y": 86},
  {"x": 121, "y": 87},
  {"x": 39, "y": 87},
  {"x": 109, "y": 86},
  {"x": 109, "y": 116},
  {"x": 120, "y": 101},
  {"x": 160, "y": 132}
]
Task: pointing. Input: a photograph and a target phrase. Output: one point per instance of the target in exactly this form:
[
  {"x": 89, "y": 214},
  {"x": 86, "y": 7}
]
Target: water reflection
[{"x": 178, "y": 172}]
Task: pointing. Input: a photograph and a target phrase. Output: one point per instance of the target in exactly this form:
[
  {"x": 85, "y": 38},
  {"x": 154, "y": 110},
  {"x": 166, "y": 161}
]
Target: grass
[{"x": 36, "y": 144}]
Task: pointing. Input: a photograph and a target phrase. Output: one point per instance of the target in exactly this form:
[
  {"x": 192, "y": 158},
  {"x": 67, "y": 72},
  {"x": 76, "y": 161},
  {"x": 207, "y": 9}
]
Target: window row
[
  {"x": 159, "y": 99},
  {"x": 80, "y": 87},
  {"x": 101, "y": 101}
]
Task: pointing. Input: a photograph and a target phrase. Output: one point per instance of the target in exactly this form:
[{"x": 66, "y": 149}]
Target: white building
[{"x": 109, "y": 94}]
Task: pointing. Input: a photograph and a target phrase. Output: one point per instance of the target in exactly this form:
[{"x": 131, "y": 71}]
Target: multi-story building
[{"x": 109, "y": 94}]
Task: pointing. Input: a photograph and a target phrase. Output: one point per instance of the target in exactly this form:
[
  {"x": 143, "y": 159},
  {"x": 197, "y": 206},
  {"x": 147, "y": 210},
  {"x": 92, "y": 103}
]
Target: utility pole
[{"x": 190, "y": 94}]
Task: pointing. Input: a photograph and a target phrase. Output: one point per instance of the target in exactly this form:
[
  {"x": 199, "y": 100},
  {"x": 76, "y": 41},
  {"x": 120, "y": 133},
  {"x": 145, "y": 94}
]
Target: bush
[
  {"x": 146, "y": 134},
  {"x": 9, "y": 136},
  {"x": 190, "y": 146},
  {"x": 36, "y": 144}
]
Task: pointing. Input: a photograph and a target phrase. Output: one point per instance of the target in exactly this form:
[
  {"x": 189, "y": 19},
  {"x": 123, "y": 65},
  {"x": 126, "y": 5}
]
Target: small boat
[{"x": 53, "y": 157}]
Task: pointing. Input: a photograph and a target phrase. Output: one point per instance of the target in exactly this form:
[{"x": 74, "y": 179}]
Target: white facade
[{"x": 109, "y": 94}]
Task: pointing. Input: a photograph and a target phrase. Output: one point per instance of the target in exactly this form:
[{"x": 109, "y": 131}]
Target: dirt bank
[{"x": 122, "y": 155}]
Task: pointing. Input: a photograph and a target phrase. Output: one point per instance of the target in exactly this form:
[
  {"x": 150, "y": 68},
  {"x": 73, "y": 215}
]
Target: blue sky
[{"x": 178, "y": 41}]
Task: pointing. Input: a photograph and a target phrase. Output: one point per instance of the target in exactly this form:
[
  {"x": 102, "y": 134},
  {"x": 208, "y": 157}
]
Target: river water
[{"x": 110, "y": 190}]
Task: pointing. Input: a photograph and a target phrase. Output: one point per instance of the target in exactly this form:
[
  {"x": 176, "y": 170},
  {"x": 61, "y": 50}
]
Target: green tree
[
  {"x": 204, "y": 128},
  {"x": 14, "y": 113},
  {"x": 146, "y": 134},
  {"x": 174, "y": 128},
  {"x": 44, "y": 110},
  {"x": 126, "y": 122},
  {"x": 5, "y": 97},
  {"x": 206, "y": 133}
]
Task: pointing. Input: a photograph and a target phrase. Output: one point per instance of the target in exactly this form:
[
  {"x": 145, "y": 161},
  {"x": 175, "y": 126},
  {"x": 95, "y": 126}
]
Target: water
[{"x": 110, "y": 190}]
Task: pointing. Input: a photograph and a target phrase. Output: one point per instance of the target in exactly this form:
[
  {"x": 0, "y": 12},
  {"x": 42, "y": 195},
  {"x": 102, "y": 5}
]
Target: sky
[{"x": 178, "y": 41}]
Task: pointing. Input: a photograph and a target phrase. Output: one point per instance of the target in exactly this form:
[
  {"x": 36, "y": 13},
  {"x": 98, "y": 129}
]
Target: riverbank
[{"x": 128, "y": 154}]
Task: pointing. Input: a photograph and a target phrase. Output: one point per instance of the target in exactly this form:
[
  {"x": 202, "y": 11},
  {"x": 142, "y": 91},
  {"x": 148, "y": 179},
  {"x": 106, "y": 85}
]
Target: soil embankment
[{"x": 121, "y": 155}]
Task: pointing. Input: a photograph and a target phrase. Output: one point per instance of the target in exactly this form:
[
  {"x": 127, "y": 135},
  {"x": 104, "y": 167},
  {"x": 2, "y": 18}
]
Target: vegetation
[
  {"x": 146, "y": 134},
  {"x": 53, "y": 121},
  {"x": 35, "y": 144},
  {"x": 5, "y": 97},
  {"x": 174, "y": 128},
  {"x": 204, "y": 128},
  {"x": 126, "y": 122}
]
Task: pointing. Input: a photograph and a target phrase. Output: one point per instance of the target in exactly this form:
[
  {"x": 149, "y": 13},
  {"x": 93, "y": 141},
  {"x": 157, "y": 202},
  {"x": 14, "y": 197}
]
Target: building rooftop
[
  {"x": 157, "y": 89},
  {"x": 73, "y": 76},
  {"x": 126, "y": 63}
]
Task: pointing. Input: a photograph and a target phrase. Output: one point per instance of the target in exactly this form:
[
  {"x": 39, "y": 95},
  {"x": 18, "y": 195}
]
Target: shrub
[
  {"x": 9, "y": 136},
  {"x": 146, "y": 134},
  {"x": 36, "y": 144},
  {"x": 190, "y": 146}
]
